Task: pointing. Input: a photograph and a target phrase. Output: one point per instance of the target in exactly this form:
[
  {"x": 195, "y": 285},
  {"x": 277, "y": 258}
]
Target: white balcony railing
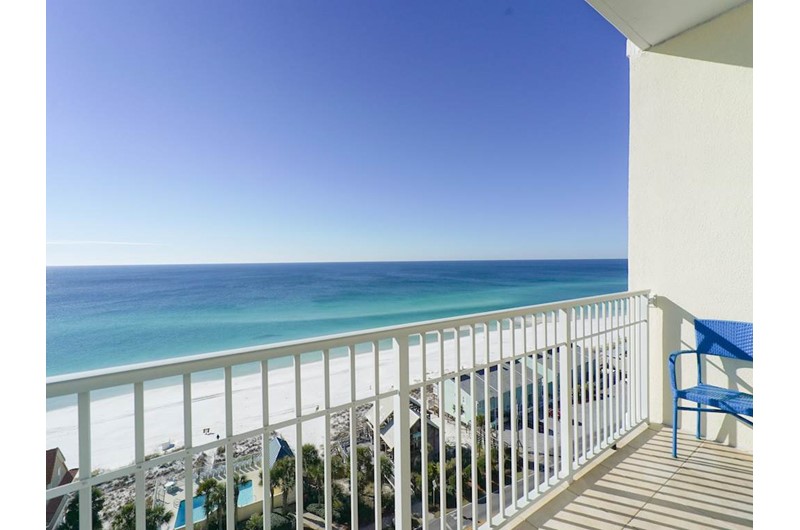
[{"x": 578, "y": 370}]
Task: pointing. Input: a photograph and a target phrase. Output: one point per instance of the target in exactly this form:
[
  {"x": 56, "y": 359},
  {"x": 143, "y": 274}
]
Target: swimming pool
[
  {"x": 198, "y": 511},
  {"x": 246, "y": 496}
]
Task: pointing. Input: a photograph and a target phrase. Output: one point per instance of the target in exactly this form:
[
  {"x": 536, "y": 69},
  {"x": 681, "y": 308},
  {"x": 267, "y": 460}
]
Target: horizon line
[{"x": 327, "y": 262}]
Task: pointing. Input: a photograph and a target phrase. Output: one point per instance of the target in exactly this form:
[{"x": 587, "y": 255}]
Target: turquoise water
[
  {"x": 109, "y": 316},
  {"x": 198, "y": 511},
  {"x": 246, "y": 496}
]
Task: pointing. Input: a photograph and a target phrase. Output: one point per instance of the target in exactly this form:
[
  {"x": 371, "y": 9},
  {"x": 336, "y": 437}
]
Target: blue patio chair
[{"x": 722, "y": 338}]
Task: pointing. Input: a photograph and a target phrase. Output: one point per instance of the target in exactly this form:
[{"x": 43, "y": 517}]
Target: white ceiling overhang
[{"x": 650, "y": 22}]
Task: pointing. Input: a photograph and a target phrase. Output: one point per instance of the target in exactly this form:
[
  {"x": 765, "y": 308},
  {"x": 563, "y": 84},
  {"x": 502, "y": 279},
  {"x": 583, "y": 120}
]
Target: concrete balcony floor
[{"x": 640, "y": 486}]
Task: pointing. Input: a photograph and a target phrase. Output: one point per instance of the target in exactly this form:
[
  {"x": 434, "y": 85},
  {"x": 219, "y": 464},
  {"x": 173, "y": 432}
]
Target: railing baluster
[
  {"x": 633, "y": 374},
  {"x": 501, "y": 421},
  {"x": 298, "y": 470},
  {"x": 524, "y": 364},
  {"x": 583, "y": 452},
  {"x": 573, "y": 389},
  {"x": 402, "y": 452},
  {"x": 611, "y": 373},
  {"x": 616, "y": 359},
  {"x": 85, "y": 460},
  {"x": 565, "y": 397},
  {"x": 609, "y": 338},
  {"x": 424, "y": 428},
  {"x": 487, "y": 429},
  {"x": 474, "y": 430},
  {"x": 442, "y": 449},
  {"x": 556, "y": 360},
  {"x": 546, "y": 405},
  {"x": 613, "y": 387},
  {"x": 606, "y": 377},
  {"x": 626, "y": 389},
  {"x": 230, "y": 501},
  {"x": 459, "y": 470},
  {"x": 597, "y": 430},
  {"x": 638, "y": 360},
  {"x": 538, "y": 386},
  {"x": 633, "y": 380},
  {"x": 625, "y": 365},
  {"x": 645, "y": 357},
  {"x": 513, "y": 399},
  {"x": 376, "y": 435},
  {"x": 640, "y": 374},
  {"x": 266, "y": 477},
  {"x": 353, "y": 441},
  {"x": 631, "y": 349},
  {"x": 326, "y": 367},
  {"x": 138, "y": 422},
  {"x": 188, "y": 461}
]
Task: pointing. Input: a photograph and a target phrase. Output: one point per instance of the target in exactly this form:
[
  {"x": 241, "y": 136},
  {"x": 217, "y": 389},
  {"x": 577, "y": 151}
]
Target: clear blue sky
[{"x": 262, "y": 131}]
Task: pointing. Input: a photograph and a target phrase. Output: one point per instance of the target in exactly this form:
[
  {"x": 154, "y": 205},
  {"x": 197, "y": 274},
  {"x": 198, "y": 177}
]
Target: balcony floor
[{"x": 640, "y": 486}]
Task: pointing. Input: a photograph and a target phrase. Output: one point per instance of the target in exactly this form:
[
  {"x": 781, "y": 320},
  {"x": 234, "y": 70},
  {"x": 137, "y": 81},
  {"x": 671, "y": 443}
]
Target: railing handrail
[{"x": 87, "y": 381}]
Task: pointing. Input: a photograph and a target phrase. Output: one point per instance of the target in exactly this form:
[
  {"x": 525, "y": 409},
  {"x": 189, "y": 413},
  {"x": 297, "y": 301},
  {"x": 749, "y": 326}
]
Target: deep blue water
[{"x": 108, "y": 316}]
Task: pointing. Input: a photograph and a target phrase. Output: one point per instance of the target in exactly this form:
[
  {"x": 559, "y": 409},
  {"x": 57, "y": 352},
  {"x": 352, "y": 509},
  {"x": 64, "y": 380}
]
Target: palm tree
[
  {"x": 450, "y": 487},
  {"x": 416, "y": 484},
  {"x": 433, "y": 475},
  {"x": 387, "y": 468},
  {"x": 339, "y": 467},
  {"x": 364, "y": 468},
  {"x": 238, "y": 482},
  {"x": 283, "y": 477},
  {"x": 72, "y": 516},
  {"x": 480, "y": 423},
  {"x": 313, "y": 473},
  {"x": 125, "y": 519},
  {"x": 155, "y": 517},
  {"x": 214, "y": 500}
]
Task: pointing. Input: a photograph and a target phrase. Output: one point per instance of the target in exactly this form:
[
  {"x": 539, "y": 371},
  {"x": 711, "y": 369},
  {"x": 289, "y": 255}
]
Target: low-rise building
[{"x": 58, "y": 474}]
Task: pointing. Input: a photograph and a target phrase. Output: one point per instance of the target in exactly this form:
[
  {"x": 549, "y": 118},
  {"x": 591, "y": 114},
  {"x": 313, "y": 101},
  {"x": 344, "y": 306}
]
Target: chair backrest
[{"x": 725, "y": 338}]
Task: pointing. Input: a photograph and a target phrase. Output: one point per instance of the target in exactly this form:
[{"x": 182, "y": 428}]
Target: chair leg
[
  {"x": 674, "y": 428},
  {"x": 698, "y": 421}
]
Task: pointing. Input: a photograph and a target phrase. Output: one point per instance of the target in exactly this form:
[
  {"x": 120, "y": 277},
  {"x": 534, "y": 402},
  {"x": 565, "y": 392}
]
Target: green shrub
[
  {"x": 316, "y": 509},
  {"x": 256, "y": 522},
  {"x": 281, "y": 522}
]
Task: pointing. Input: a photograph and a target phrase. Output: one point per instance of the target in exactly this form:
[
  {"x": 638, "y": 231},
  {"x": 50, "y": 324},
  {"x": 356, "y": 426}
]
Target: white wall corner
[{"x": 632, "y": 50}]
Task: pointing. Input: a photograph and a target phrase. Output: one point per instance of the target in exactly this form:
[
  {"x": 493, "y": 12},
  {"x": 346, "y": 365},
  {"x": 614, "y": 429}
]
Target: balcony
[{"x": 567, "y": 391}]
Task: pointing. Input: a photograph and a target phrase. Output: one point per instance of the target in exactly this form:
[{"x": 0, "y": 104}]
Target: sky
[{"x": 281, "y": 131}]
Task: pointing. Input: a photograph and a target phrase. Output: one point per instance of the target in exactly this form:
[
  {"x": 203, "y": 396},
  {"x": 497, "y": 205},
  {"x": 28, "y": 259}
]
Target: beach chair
[{"x": 722, "y": 338}]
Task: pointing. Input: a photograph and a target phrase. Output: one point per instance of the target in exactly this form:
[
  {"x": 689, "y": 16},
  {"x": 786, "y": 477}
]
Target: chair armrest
[{"x": 672, "y": 358}]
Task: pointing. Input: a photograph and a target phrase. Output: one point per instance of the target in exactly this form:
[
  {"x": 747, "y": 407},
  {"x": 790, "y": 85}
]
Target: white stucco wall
[{"x": 691, "y": 199}]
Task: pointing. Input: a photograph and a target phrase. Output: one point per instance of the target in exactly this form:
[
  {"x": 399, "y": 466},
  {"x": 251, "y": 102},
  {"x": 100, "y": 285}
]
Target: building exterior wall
[
  {"x": 691, "y": 200},
  {"x": 59, "y": 469}
]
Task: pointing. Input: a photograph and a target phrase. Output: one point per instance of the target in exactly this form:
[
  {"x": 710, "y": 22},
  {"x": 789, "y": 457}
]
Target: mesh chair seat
[{"x": 722, "y": 398}]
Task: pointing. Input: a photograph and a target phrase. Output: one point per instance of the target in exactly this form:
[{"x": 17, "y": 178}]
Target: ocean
[{"x": 99, "y": 317}]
